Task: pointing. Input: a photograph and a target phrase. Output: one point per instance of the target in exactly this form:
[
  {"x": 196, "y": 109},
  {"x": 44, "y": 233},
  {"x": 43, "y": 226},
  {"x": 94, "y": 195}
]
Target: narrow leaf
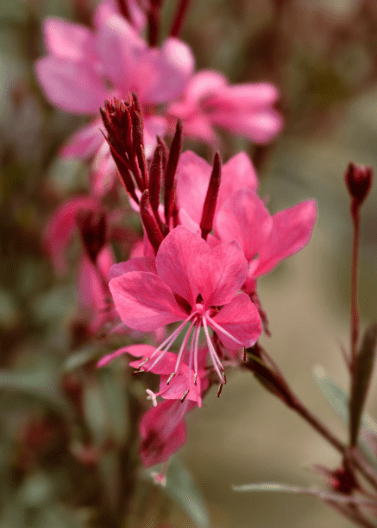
[{"x": 361, "y": 380}]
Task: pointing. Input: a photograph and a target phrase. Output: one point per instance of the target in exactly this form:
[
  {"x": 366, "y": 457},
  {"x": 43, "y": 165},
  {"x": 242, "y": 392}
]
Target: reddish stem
[
  {"x": 179, "y": 18},
  {"x": 355, "y": 324}
]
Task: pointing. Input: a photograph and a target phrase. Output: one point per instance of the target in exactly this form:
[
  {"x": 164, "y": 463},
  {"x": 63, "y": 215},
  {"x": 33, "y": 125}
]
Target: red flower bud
[{"x": 359, "y": 181}]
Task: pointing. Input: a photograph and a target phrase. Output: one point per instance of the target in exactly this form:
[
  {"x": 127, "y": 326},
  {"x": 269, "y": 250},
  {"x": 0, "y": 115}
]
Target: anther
[
  {"x": 184, "y": 396},
  {"x": 143, "y": 362},
  {"x": 220, "y": 389},
  {"x": 138, "y": 371},
  {"x": 170, "y": 378},
  {"x": 195, "y": 377},
  {"x": 244, "y": 354}
]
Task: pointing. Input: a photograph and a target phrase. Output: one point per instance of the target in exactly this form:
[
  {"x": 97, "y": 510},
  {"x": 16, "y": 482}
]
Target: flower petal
[
  {"x": 241, "y": 319},
  {"x": 134, "y": 264},
  {"x": 193, "y": 175},
  {"x": 174, "y": 260},
  {"x": 291, "y": 231},
  {"x": 67, "y": 40},
  {"x": 84, "y": 143},
  {"x": 220, "y": 273},
  {"x": 174, "y": 65},
  {"x": 244, "y": 218},
  {"x": 237, "y": 172},
  {"x": 71, "y": 86},
  {"x": 143, "y": 301}
]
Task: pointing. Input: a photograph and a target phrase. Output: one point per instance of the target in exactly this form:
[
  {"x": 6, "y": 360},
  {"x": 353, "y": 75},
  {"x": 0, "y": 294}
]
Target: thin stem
[
  {"x": 179, "y": 18},
  {"x": 354, "y": 312}
]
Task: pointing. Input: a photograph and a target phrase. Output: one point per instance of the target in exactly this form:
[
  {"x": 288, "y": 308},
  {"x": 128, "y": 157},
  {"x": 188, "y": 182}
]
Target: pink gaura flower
[
  {"x": 241, "y": 215},
  {"x": 189, "y": 282},
  {"x": 84, "y": 67},
  {"x": 243, "y": 109}
]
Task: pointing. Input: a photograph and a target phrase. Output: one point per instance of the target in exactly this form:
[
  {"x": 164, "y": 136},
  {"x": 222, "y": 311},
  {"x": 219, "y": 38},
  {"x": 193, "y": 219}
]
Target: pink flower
[
  {"x": 241, "y": 215},
  {"x": 193, "y": 284},
  {"x": 84, "y": 67},
  {"x": 244, "y": 109}
]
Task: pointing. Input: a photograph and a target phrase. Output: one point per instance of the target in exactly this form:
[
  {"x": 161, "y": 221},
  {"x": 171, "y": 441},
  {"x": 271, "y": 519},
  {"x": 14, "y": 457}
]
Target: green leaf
[
  {"x": 339, "y": 401},
  {"x": 181, "y": 488},
  {"x": 361, "y": 380}
]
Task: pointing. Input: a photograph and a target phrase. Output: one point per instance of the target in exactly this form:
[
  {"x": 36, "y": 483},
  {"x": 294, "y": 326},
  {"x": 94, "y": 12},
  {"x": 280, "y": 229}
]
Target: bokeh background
[{"x": 322, "y": 55}]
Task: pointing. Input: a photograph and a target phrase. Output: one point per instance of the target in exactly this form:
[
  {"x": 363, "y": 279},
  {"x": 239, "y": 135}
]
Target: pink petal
[
  {"x": 247, "y": 96},
  {"x": 220, "y": 273},
  {"x": 71, "y": 86},
  {"x": 241, "y": 319},
  {"x": 237, "y": 172},
  {"x": 179, "y": 385},
  {"x": 291, "y": 231},
  {"x": 66, "y": 40},
  {"x": 61, "y": 227},
  {"x": 153, "y": 126},
  {"x": 143, "y": 301},
  {"x": 205, "y": 83},
  {"x": 107, "y": 8},
  {"x": 92, "y": 292},
  {"x": 174, "y": 260},
  {"x": 244, "y": 218},
  {"x": 103, "y": 171},
  {"x": 119, "y": 44},
  {"x": 174, "y": 65},
  {"x": 134, "y": 350},
  {"x": 84, "y": 143},
  {"x": 162, "y": 433},
  {"x": 134, "y": 264},
  {"x": 193, "y": 174},
  {"x": 260, "y": 126}
]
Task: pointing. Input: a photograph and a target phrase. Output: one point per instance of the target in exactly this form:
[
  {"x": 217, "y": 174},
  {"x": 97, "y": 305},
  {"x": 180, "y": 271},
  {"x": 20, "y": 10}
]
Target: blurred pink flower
[
  {"x": 84, "y": 67},
  {"x": 243, "y": 109}
]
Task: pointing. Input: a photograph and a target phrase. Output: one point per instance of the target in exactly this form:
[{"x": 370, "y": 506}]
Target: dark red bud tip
[
  {"x": 93, "y": 229},
  {"x": 209, "y": 206},
  {"x": 151, "y": 226},
  {"x": 359, "y": 181}
]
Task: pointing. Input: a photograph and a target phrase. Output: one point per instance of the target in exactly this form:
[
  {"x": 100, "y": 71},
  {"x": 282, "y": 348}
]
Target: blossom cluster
[{"x": 190, "y": 283}]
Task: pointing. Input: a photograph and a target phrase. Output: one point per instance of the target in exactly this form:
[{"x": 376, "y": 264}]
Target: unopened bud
[
  {"x": 92, "y": 225},
  {"x": 359, "y": 181}
]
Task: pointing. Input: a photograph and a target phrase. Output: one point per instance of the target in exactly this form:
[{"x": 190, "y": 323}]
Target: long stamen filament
[
  {"x": 212, "y": 351},
  {"x": 222, "y": 330}
]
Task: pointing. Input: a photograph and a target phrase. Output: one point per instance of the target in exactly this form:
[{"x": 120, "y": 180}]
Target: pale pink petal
[
  {"x": 186, "y": 220},
  {"x": 71, "y": 86},
  {"x": 92, "y": 291},
  {"x": 174, "y": 260},
  {"x": 205, "y": 83},
  {"x": 244, "y": 218},
  {"x": 103, "y": 171},
  {"x": 237, "y": 172},
  {"x": 241, "y": 319},
  {"x": 134, "y": 264},
  {"x": 246, "y": 96},
  {"x": 220, "y": 273},
  {"x": 120, "y": 49},
  {"x": 193, "y": 174},
  {"x": 134, "y": 350},
  {"x": 61, "y": 227},
  {"x": 161, "y": 433},
  {"x": 84, "y": 143},
  {"x": 143, "y": 301},
  {"x": 291, "y": 231},
  {"x": 260, "y": 126},
  {"x": 107, "y": 8},
  {"x": 66, "y": 40},
  {"x": 198, "y": 126},
  {"x": 174, "y": 64},
  {"x": 165, "y": 366}
]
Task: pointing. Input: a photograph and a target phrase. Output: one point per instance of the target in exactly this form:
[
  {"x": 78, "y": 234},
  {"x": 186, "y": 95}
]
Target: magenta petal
[
  {"x": 244, "y": 218},
  {"x": 241, "y": 319},
  {"x": 205, "y": 83},
  {"x": 174, "y": 64},
  {"x": 119, "y": 44},
  {"x": 174, "y": 260},
  {"x": 193, "y": 174},
  {"x": 134, "y": 350},
  {"x": 179, "y": 385},
  {"x": 71, "y": 86},
  {"x": 92, "y": 292},
  {"x": 135, "y": 264},
  {"x": 162, "y": 431},
  {"x": 291, "y": 231},
  {"x": 220, "y": 273},
  {"x": 143, "y": 301},
  {"x": 236, "y": 173},
  {"x": 61, "y": 227},
  {"x": 67, "y": 40},
  {"x": 84, "y": 143}
]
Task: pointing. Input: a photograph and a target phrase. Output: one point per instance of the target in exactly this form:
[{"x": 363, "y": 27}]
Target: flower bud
[{"x": 359, "y": 181}]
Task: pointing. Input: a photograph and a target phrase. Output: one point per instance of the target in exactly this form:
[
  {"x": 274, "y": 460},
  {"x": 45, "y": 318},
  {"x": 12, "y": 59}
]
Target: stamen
[
  {"x": 184, "y": 396},
  {"x": 221, "y": 329},
  {"x": 220, "y": 389},
  {"x": 195, "y": 377},
  {"x": 215, "y": 359},
  {"x": 152, "y": 396},
  {"x": 183, "y": 346},
  {"x": 170, "y": 378},
  {"x": 244, "y": 354},
  {"x": 143, "y": 363}
]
